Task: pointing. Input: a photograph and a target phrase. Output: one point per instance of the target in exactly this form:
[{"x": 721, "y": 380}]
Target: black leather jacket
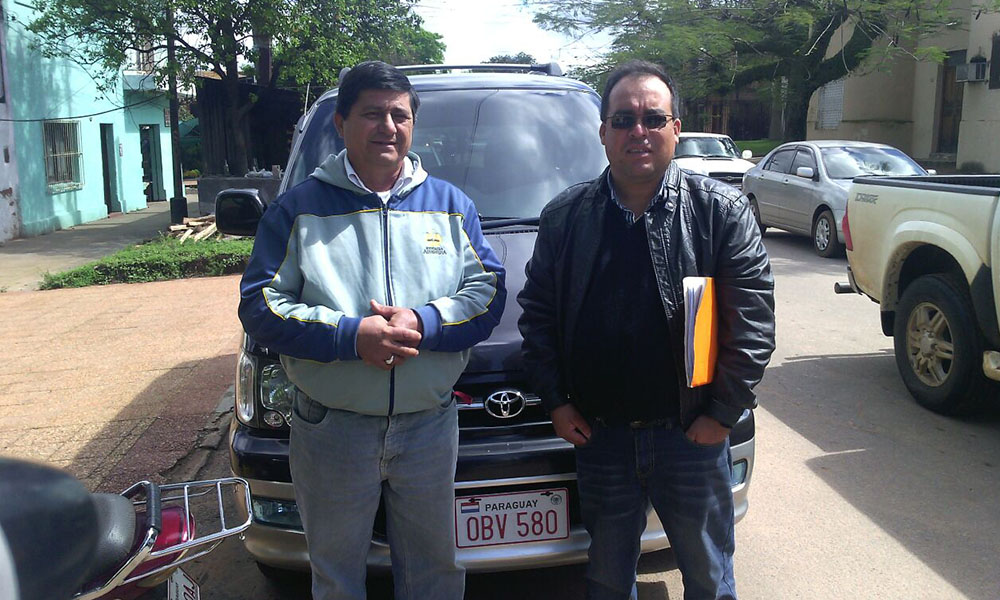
[{"x": 701, "y": 227}]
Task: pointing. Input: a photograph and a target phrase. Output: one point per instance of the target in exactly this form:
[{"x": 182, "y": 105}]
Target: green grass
[
  {"x": 758, "y": 147},
  {"x": 158, "y": 260}
]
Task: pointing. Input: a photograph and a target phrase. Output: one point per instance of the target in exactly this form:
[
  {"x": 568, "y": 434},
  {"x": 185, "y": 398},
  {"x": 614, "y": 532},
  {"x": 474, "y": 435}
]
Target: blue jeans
[
  {"x": 342, "y": 463},
  {"x": 623, "y": 470}
]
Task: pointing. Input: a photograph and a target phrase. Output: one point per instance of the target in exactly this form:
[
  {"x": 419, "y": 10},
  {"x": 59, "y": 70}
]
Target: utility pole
[{"x": 178, "y": 203}]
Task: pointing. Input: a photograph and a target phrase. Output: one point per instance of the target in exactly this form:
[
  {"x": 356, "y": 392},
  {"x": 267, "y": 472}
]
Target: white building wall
[
  {"x": 979, "y": 135},
  {"x": 876, "y": 100}
]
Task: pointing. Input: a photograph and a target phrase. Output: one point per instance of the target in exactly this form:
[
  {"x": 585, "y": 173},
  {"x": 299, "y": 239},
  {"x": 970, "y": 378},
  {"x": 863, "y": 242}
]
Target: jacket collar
[
  {"x": 599, "y": 191},
  {"x": 334, "y": 171}
]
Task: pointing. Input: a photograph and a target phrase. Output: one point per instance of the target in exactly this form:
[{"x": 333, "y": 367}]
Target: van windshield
[{"x": 511, "y": 151}]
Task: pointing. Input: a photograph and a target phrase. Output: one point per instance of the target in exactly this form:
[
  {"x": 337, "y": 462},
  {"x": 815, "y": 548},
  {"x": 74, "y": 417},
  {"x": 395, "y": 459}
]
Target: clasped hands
[{"x": 389, "y": 336}]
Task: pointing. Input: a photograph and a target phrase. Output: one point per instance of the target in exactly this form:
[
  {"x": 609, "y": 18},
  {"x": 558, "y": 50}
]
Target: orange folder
[{"x": 701, "y": 324}]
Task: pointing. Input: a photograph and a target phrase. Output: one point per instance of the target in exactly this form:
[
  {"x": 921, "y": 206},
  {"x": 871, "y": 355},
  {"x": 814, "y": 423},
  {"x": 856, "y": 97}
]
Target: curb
[{"x": 210, "y": 437}]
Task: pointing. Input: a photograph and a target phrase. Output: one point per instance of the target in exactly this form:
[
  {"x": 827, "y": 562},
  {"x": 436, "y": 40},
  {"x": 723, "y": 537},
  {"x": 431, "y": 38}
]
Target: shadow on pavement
[
  {"x": 928, "y": 481},
  {"x": 160, "y": 426}
]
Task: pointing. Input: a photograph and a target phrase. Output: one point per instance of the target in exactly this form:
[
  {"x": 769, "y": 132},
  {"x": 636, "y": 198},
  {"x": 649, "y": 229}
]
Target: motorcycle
[{"x": 58, "y": 541}]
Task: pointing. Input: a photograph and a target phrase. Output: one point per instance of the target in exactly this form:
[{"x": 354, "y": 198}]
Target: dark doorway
[
  {"x": 152, "y": 163},
  {"x": 950, "y": 107},
  {"x": 109, "y": 168}
]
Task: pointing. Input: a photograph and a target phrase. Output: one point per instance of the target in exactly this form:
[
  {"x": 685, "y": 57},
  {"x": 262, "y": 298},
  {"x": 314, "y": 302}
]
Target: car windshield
[
  {"x": 721, "y": 147},
  {"x": 848, "y": 162},
  {"x": 511, "y": 151}
]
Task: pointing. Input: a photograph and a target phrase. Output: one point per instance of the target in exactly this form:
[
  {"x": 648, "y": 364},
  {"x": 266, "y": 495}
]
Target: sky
[{"x": 475, "y": 30}]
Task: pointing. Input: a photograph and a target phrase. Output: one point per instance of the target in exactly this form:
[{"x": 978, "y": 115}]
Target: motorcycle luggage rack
[{"x": 197, "y": 546}]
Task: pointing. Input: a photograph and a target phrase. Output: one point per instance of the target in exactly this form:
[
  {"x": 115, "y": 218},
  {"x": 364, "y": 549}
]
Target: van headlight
[
  {"x": 277, "y": 395},
  {"x": 245, "y": 369}
]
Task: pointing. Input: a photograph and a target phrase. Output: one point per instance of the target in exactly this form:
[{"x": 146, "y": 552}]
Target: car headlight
[
  {"x": 245, "y": 369},
  {"x": 277, "y": 394}
]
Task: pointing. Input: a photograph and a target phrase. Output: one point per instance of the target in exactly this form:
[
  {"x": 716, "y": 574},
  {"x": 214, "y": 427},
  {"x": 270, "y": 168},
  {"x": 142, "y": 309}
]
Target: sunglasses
[{"x": 650, "y": 121}]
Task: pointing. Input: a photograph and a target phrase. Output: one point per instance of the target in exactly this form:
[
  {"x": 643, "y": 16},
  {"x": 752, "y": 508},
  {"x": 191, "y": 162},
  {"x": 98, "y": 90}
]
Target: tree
[
  {"x": 716, "y": 46},
  {"x": 292, "y": 41},
  {"x": 521, "y": 58}
]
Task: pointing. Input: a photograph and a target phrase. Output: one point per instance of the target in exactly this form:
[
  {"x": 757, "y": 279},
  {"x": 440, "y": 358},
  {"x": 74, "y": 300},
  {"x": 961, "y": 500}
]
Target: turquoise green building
[{"x": 72, "y": 153}]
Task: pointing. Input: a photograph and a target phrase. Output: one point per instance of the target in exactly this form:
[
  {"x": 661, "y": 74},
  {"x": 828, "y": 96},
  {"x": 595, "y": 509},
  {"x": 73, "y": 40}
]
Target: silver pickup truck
[{"x": 927, "y": 250}]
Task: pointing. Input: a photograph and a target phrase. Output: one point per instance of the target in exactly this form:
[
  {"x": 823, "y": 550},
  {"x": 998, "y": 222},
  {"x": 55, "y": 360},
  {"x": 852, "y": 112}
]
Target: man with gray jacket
[{"x": 373, "y": 280}]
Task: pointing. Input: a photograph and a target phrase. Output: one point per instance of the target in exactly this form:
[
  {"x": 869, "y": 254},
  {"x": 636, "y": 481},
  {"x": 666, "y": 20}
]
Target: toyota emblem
[{"x": 505, "y": 404}]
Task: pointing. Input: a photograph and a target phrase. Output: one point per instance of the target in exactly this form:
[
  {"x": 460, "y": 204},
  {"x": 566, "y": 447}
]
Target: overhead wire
[{"x": 103, "y": 112}]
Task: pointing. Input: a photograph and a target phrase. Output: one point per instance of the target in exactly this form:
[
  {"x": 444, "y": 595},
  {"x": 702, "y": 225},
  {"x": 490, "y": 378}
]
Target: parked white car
[
  {"x": 714, "y": 155},
  {"x": 801, "y": 187}
]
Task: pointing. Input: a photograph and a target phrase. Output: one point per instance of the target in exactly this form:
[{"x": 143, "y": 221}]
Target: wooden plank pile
[{"x": 194, "y": 229}]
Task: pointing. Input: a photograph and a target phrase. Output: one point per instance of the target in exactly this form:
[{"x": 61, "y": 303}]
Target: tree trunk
[
  {"x": 178, "y": 202},
  {"x": 776, "y": 130},
  {"x": 796, "y": 112},
  {"x": 236, "y": 141},
  {"x": 797, "y": 103},
  {"x": 262, "y": 42}
]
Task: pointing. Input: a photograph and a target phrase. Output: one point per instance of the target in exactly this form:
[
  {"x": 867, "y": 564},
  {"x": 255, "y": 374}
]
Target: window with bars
[
  {"x": 831, "y": 105},
  {"x": 62, "y": 156}
]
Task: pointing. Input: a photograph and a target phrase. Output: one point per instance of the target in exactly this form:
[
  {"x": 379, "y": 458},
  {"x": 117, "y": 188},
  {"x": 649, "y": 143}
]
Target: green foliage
[
  {"x": 328, "y": 35},
  {"x": 717, "y": 46},
  {"x": 521, "y": 58},
  {"x": 158, "y": 260},
  {"x": 192, "y": 174},
  {"x": 309, "y": 40}
]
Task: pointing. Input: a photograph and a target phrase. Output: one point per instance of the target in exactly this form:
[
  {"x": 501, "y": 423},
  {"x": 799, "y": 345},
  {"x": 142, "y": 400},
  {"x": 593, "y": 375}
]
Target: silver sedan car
[{"x": 802, "y": 187}]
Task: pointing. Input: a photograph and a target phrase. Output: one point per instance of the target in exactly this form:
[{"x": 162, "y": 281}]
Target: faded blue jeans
[
  {"x": 342, "y": 463},
  {"x": 620, "y": 472}
]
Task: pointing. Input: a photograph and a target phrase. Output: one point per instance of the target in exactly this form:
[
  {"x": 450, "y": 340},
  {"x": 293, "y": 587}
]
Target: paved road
[{"x": 857, "y": 491}]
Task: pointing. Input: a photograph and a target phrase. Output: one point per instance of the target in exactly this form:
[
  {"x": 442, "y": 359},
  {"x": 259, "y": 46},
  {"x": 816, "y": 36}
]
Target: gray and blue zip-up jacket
[{"x": 326, "y": 247}]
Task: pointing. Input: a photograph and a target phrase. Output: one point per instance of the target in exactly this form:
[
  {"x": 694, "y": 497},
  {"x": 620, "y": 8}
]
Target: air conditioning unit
[
  {"x": 978, "y": 71},
  {"x": 973, "y": 71}
]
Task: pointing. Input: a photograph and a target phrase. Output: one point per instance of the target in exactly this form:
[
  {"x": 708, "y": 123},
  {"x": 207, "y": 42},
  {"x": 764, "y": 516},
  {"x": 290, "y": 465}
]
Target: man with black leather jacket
[{"x": 603, "y": 328}]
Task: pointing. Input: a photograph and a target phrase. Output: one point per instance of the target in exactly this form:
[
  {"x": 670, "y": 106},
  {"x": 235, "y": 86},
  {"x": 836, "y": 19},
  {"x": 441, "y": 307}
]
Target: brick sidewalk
[{"x": 115, "y": 383}]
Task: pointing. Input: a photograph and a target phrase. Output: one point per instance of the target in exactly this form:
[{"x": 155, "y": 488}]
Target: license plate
[
  {"x": 182, "y": 587},
  {"x": 493, "y": 519}
]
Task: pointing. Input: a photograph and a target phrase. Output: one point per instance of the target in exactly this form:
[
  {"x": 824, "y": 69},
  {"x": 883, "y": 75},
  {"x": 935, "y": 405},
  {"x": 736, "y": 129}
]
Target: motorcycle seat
[{"x": 116, "y": 524}]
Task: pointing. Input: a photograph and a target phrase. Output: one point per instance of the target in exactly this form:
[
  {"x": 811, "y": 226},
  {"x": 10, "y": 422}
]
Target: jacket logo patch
[{"x": 432, "y": 244}]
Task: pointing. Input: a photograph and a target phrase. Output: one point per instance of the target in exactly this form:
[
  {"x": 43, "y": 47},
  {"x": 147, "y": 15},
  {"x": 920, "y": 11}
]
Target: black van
[{"x": 511, "y": 138}]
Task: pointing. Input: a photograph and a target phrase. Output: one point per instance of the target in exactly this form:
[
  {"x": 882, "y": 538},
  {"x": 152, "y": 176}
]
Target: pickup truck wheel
[
  {"x": 938, "y": 346},
  {"x": 824, "y": 234},
  {"x": 756, "y": 216}
]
